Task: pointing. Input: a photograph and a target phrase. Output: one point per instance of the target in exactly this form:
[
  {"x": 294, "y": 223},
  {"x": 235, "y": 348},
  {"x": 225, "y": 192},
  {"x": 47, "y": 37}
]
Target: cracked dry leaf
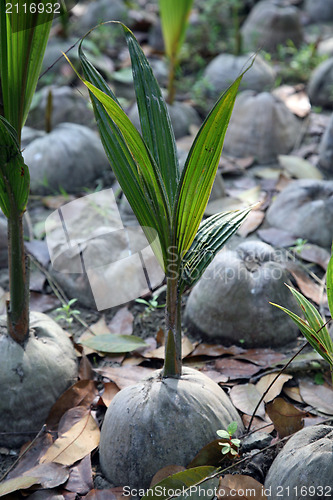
[{"x": 74, "y": 444}]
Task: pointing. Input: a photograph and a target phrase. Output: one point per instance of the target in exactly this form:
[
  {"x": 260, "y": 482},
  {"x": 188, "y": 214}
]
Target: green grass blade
[
  {"x": 154, "y": 117},
  {"x": 14, "y": 174},
  {"x": 174, "y": 17},
  {"x": 209, "y": 240},
  {"x": 329, "y": 283},
  {"x": 200, "y": 168},
  {"x": 23, "y": 39}
]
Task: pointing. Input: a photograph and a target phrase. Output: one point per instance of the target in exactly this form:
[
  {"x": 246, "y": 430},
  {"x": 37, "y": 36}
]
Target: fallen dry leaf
[
  {"x": 164, "y": 473},
  {"x": 215, "y": 375},
  {"x": 235, "y": 369},
  {"x": 31, "y": 457},
  {"x": 267, "y": 173},
  {"x": 86, "y": 371},
  {"x": 276, "y": 388},
  {"x": 124, "y": 376},
  {"x": 282, "y": 182},
  {"x": 42, "y": 302},
  {"x": 262, "y": 357},
  {"x": 54, "y": 202},
  {"x": 237, "y": 486},
  {"x": 299, "y": 168},
  {"x": 293, "y": 393},
  {"x": 74, "y": 444},
  {"x": 110, "y": 390},
  {"x": 134, "y": 360},
  {"x": 287, "y": 419},
  {"x": 122, "y": 322},
  {"x": 258, "y": 424},
  {"x": 213, "y": 350},
  {"x": 82, "y": 393},
  {"x": 72, "y": 417},
  {"x": 251, "y": 223},
  {"x": 246, "y": 397},
  {"x": 316, "y": 254},
  {"x": 47, "y": 475},
  {"x": 319, "y": 397},
  {"x": 159, "y": 353},
  {"x": 296, "y": 99},
  {"x": 80, "y": 479},
  {"x": 307, "y": 286},
  {"x": 16, "y": 484},
  {"x": 224, "y": 204}
]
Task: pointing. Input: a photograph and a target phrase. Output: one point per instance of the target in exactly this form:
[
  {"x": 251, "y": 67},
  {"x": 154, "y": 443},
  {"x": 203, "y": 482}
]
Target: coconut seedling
[
  {"x": 168, "y": 417},
  {"x": 313, "y": 327},
  {"x": 37, "y": 360}
]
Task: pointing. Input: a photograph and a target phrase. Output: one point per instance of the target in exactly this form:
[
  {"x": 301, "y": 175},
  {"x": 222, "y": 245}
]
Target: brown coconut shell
[
  {"x": 32, "y": 377},
  {"x": 304, "y": 467},
  {"x": 160, "y": 422}
]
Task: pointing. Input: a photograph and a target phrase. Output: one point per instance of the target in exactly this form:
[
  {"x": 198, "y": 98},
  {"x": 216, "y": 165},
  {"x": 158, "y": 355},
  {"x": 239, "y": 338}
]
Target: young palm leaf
[
  {"x": 313, "y": 329},
  {"x": 174, "y": 18},
  {"x": 148, "y": 172},
  {"x": 23, "y": 39}
]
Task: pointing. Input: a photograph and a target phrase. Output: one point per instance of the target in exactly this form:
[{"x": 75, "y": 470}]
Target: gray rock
[
  {"x": 305, "y": 209},
  {"x": 101, "y": 11},
  {"x": 326, "y": 150},
  {"x": 68, "y": 105},
  {"x": 319, "y": 10},
  {"x": 225, "y": 68},
  {"x": 271, "y": 23},
  {"x": 320, "y": 86},
  {"x": 182, "y": 117},
  {"x": 261, "y": 126},
  {"x": 70, "y": 157},
  {"x": 230, "y": 303},
  {"x": 306, "y": 462}
]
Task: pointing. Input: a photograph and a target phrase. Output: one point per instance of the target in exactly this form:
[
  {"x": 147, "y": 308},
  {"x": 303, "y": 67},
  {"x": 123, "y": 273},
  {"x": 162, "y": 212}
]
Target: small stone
[
  {"x": 256, "y": 440},
  {"x": 299, "y": 207},
  {"x": 261, "y": 126},
  {"x": 321, "y": 83},
  {"x": 270, "y": 24},
  {"x": 225, "y": 68}
]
